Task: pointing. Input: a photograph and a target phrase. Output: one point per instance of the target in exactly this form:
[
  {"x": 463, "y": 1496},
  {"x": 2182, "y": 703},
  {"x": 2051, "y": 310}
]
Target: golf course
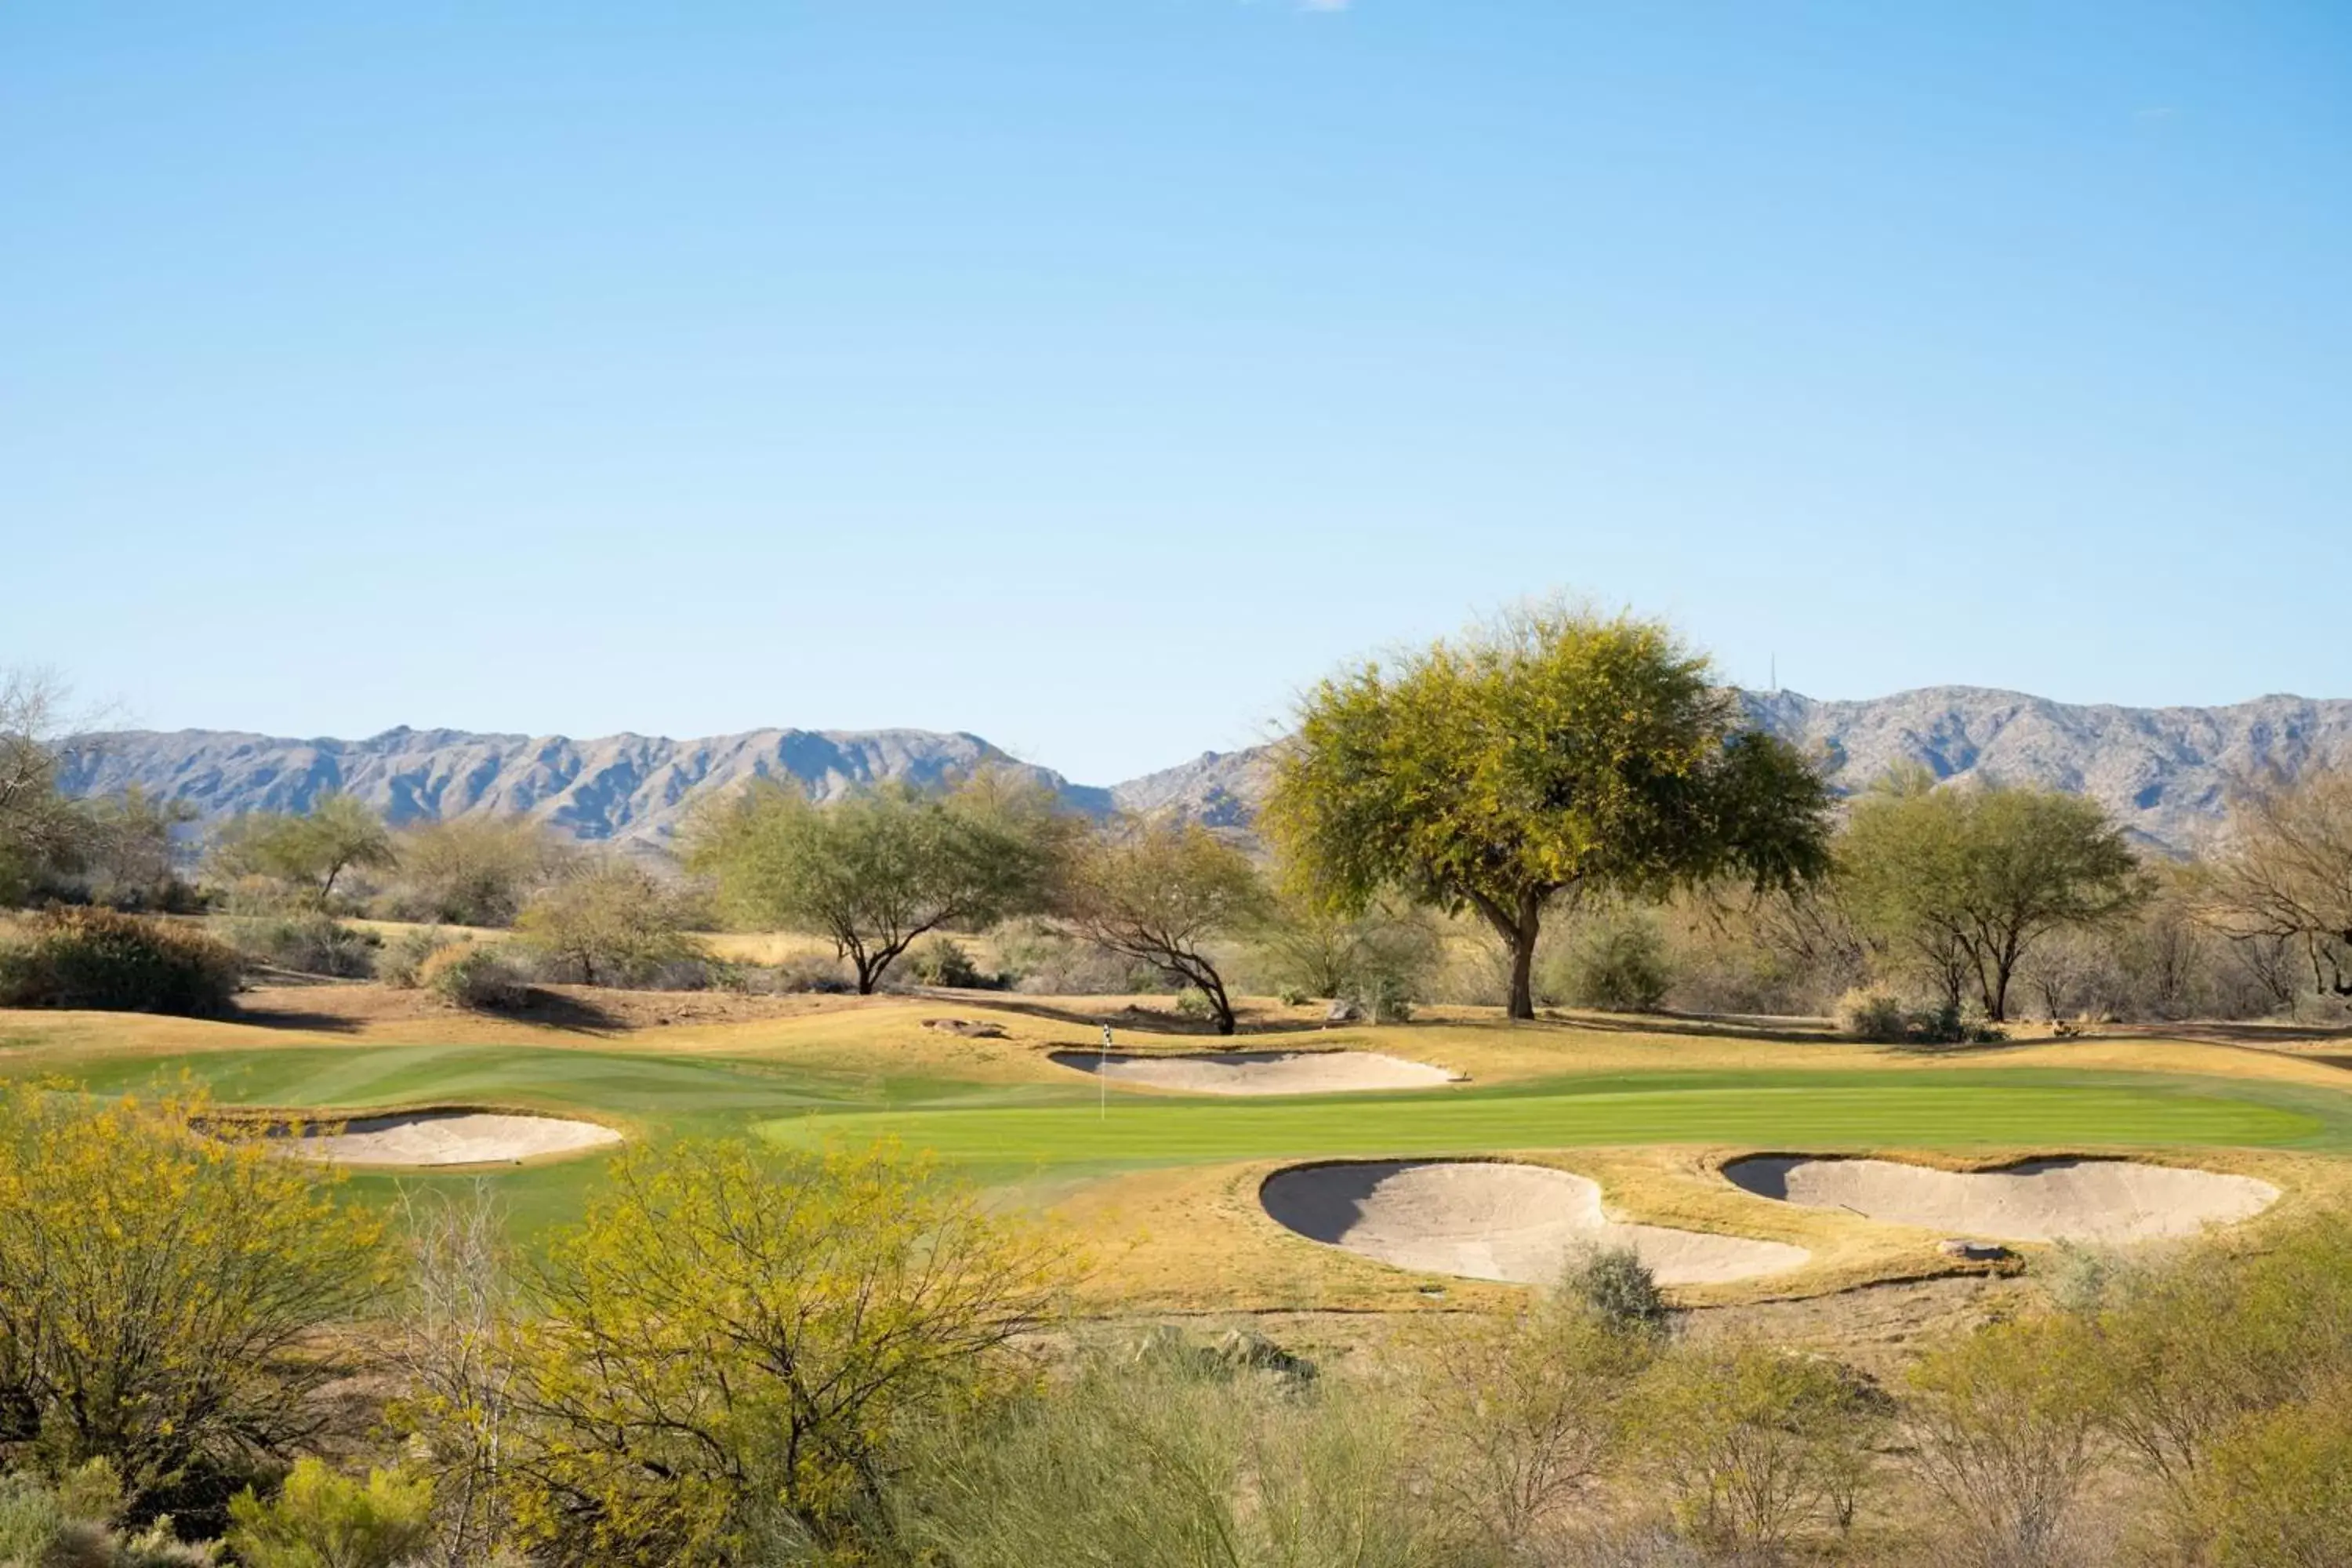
[{"x": 1159, "y": 1186}]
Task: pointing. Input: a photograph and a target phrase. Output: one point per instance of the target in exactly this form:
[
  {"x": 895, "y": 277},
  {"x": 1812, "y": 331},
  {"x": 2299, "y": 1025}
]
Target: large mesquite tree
[
  {"x": 878, "y": 869},
  {"x": 1555, "y": 754}
]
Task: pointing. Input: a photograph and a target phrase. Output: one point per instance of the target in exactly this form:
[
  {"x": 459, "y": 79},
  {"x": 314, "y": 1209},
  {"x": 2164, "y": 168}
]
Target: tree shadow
[
  {"x": 1143, "y": 1020},
  {"x": 563, "y": 1010},
  {"x": 1698, "y": 1026},
  {"x": 296, "y": 1018}
]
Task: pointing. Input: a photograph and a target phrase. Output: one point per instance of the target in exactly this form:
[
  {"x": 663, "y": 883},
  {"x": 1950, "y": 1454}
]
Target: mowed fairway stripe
[{"x": 1798, "y": 1110}]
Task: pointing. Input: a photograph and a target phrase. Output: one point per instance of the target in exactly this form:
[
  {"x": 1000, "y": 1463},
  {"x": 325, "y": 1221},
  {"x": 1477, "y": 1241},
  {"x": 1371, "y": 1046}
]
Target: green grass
[
  {"x": 1812, "y": 1109},
  {"x": 999, "y": 1132}
]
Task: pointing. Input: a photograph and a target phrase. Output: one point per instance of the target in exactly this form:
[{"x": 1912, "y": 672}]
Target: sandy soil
[
  {"x": 456, "y": 1138},
  {"x": 1261, "y": 1072},
  {"x": 1488, "y": 1220},
  {"x": 2045, "y": 1200}
]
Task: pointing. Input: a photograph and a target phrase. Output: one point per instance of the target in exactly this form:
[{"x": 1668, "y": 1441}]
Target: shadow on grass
[
  {"x": 1143, "y": 1020},
  {"x": 295, "y": 1018}
]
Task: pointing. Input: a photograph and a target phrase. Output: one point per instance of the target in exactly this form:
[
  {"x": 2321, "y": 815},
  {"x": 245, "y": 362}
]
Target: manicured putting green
[{"x": 1786, "y": 1110}]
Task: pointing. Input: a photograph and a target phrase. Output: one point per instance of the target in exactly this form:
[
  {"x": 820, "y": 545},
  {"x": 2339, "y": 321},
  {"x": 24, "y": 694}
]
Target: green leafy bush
[
  {"x": 472, "y": 976},
  {"x": 942, "y": 960},
  {"x": 311, "y": 942},
  {"x": 115, "y": 963},
  {"x": 1613, "y": 1285},
  {"x": 1872, "y": 1013},
  {"x": 321, "y": 1520},
  {"x": 1619, "y": 964},
  {"x": 1754, "y": 1445}
]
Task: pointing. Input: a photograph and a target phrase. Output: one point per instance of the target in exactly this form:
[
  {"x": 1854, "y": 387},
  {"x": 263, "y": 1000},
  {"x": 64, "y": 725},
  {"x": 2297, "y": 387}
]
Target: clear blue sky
[{"x": 1094, "y": 374}]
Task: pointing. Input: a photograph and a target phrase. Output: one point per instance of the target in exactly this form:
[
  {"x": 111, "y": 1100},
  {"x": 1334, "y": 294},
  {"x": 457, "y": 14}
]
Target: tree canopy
[
  {"x": 1555, "y": 754},
  {"x": 2285, "y": 872},
  {"x": 475, "y": 870},
  {"x": 1963, "y": 882},
  {"x": 1162, "y": 891},
  {"x": 878, "y": 869},
  {"x": 42, "y": 832},
  {"x": 308, "y": 851}
]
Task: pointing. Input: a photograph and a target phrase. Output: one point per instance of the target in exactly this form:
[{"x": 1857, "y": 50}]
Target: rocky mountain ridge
[{"x": 2165, "y": 773}]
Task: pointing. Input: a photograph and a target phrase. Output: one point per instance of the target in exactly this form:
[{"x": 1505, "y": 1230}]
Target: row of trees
[
  {"x": 746, "y": 1356},
  {"x": 1558, "y": 762}
]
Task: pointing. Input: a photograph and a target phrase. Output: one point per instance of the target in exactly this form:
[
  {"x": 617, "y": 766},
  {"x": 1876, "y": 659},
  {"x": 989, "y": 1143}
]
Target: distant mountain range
[{"x": 2163, "y": 771}]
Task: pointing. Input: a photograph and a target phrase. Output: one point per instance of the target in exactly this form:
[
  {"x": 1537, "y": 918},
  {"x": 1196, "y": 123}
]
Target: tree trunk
[
  {"x": 1519, "y": 927},
  {"x": 1223, "y": 1007},
  {"x": 1523, "y": 965}
]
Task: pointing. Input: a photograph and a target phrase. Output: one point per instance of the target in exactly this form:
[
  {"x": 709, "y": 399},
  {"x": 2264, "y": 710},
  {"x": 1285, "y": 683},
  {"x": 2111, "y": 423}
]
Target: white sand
[
  {"x": 1485, "y": 1220},
  {"x": 455, "y": 1137},
  {"x": 2046, "y": 1200},
  {"x": 1261, "y": 1072}
]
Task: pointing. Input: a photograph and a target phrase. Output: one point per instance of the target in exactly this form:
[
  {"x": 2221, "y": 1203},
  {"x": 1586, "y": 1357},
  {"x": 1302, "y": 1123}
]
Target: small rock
[
  {"x": 1242, "y": 1348},
  {"x": 1975, "y": 1251},
  {"x": 1343, "y": 1012}
]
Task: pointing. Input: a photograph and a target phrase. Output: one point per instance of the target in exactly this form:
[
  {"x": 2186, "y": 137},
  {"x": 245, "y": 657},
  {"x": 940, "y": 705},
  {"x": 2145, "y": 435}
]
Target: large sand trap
[
  {"x": 1487, "y": 1220},
  {"x": 2044, "y": 1200},
  {"x": 455, "y": 1137},
  {"x": 1261, "y": 1072}
]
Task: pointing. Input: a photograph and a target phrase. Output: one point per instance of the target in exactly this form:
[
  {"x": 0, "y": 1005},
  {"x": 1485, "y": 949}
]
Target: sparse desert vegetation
[{"x": 1516, "y": 1156}]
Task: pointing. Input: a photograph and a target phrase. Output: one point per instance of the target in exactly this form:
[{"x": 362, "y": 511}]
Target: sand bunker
[
  {"x": 1261, "y": 1072},
  {"x": 2045, "y": 1200},
  {"x": 1485, "y": 1220},
  {"x": 455, "y": 1137}
]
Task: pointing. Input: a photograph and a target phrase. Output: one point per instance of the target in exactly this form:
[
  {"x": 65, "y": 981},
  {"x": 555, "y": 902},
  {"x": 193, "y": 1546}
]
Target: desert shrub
[
  {"x": 68, "y": 1524},
  {"x": 321, "y": 1520},
  {"x": 1044, "y": 962},
  {"x": 2220, "y": 1337},
  {"x": 608, "y": 924},
  {"x": 311, "y": 942},
  {"x": 2086, "y": 1277},
  {"x": 733, "y": 1333},
  {"x": 1193, "y": 1002},
  {"x": 2006, "y": 1439},
  {"x": 1872, "y": 1013},
  {"x": 1304, "y": 949},
  {"x": 2275, "y": 1490},
  {"x": 451, "y": 1355},
  {"x": 942, "y": 960},
  {"x": 472, "y": 871},
  {"x": 31, "y": 1521},
  {"x": 1617, "y": 963},
  {"x": 1518, "y": 1423},
  {"x": 1614, "y": 1286},
  {"x": 1379, "y": 997},
  {"x": 403, "y": 961},
  {"x": 1754, "y": 1445},
  {"x": 809, "y": 972},
  {"x": 115, "y": 963},
  {"x": 161, "y": 1280},
  {"x": 470, "y": 975},
  {"x": 1171, "y": 1462}
]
